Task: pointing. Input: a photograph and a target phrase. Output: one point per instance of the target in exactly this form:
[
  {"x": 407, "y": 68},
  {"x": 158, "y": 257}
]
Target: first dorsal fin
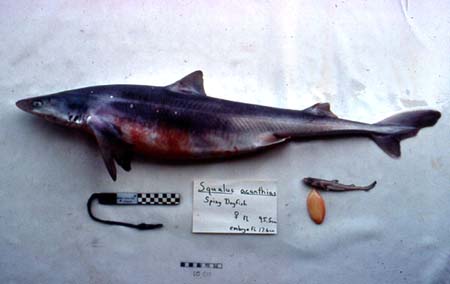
[
  {"x": 191, "y": 84},
  {"x": 320, "y": 109}
]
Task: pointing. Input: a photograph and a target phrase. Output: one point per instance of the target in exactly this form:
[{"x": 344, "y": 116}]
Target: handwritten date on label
[{"x": 235, "y": 207}]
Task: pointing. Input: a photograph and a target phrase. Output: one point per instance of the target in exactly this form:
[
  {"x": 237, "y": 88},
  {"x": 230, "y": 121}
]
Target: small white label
[
  {"x": 235, "y": 207},
  {"x": 126, "y": 198}
]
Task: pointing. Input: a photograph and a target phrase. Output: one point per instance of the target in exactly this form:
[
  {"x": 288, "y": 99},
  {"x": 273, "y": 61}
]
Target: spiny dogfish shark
[{"x": 180, "y": 122}]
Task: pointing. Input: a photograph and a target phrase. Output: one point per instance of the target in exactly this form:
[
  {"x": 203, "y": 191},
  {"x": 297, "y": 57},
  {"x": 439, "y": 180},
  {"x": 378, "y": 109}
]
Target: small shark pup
[{"x": 180, "y": 122}]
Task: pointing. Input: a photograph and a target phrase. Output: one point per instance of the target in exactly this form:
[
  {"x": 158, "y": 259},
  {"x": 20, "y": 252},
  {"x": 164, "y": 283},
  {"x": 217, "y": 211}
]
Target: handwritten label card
[{"x": 235, "y": 207}]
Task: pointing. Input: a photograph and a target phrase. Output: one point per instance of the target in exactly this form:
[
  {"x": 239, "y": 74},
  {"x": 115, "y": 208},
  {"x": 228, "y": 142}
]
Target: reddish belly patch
[{"x": 157, "y": 140}]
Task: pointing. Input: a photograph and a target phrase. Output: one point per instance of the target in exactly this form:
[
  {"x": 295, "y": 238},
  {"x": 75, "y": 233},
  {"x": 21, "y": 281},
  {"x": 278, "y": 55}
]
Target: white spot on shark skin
[
  {"x": 111, "y": 97},
  {"x": 79, "y": 121},
  {"x": 175, "y": 112},
  {"x": 153, "y": 135},
  {"x": 157, "y": 111},
  {"x": 131, "y": 105}
]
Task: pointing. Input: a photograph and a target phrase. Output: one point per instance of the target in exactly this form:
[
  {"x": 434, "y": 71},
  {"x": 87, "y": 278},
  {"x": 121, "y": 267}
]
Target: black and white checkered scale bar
[
  {"x": 158, "y": 198},
  {"x": 212, "y": 265}
]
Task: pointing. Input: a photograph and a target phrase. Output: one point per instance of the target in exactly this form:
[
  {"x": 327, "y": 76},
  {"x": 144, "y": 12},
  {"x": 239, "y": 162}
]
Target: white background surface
[{"x": 369, "y": 59}]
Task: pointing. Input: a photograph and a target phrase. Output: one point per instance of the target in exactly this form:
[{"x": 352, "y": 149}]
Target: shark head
[{"x": 66, "y": 108}]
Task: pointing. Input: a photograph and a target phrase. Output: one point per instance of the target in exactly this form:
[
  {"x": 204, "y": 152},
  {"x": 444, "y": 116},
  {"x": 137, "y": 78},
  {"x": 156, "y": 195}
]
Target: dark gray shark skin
[{"x": 180, "y": 122}]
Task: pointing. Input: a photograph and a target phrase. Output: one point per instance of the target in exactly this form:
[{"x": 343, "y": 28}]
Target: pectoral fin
[
  {"x": 111, "y": 146},
  {"x": 123, "y": 158},
  {"x": 107, "y": 154}
]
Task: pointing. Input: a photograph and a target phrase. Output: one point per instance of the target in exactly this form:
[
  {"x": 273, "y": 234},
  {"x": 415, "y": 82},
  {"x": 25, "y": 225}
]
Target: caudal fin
[{"x": 413, "y": 122}]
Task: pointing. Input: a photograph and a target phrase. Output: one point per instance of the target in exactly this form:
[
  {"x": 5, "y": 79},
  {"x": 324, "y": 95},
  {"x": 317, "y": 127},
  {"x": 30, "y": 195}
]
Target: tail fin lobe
[
  {"x": 416, "y": 118},
  {"x": 413, "y": 121}
]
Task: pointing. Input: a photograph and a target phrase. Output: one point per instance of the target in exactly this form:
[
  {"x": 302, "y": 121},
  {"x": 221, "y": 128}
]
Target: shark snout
[
  {"x": 36, "y": 105},
  {"x": 50, "y": 107},
  {"x": 25, "y": 105}
]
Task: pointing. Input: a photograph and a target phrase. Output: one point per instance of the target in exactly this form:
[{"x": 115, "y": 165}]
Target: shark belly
[{"x": 164, "y": 141}]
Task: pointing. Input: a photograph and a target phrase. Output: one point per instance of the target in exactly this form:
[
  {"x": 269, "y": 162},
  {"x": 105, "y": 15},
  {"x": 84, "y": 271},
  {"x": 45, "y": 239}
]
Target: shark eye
[{"x": 37, "y": 103}]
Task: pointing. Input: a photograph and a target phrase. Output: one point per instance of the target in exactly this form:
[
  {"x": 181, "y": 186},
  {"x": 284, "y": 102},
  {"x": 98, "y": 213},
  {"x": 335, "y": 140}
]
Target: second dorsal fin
[
  {"x": 320, "y": 109},
  {"x": 190, "y": 84}
]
